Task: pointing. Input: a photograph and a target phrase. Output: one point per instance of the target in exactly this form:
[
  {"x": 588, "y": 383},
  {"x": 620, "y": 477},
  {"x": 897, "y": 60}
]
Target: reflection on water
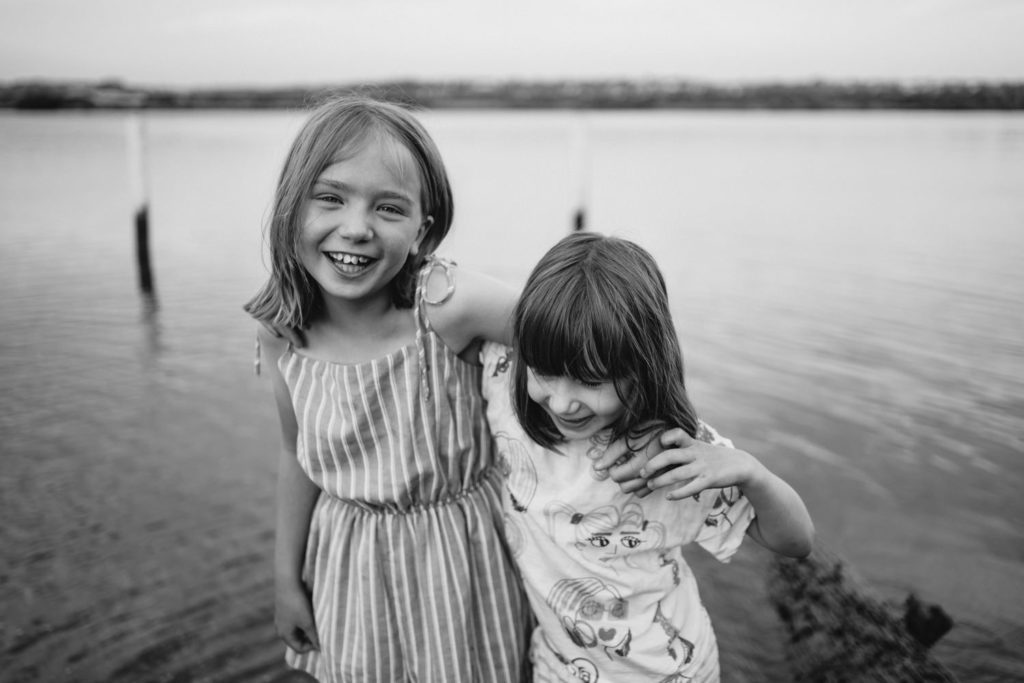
[
  {"x": 150, "y": 319},
  {"x": 846, "y": 287}
]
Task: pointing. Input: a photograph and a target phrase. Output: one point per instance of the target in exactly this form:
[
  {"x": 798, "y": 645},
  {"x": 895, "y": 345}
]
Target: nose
[
  {"x": 560, "y": 399},
  {"x": 355, "y": 225}
]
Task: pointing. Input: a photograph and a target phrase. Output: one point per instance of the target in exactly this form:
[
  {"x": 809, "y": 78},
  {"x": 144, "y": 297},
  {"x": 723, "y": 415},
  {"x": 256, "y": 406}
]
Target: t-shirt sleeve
[
  {"x": 708, "y": 434},
  {"x": 496, "y": 380},
  {"x": 728, "y": 512},
  {"x": 496, "y": 387}
]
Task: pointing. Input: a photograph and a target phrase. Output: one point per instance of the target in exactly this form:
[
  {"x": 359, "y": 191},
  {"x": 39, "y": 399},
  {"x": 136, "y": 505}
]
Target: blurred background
[{"x": 843, "y": 262}]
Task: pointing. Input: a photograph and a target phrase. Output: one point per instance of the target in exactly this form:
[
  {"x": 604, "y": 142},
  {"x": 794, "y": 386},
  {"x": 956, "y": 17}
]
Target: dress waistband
[{"x": 490, "y": 476}]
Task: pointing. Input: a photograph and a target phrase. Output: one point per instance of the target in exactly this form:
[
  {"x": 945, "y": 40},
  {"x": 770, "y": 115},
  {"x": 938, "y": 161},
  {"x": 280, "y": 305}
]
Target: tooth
[{"x": 349, "y": 259}]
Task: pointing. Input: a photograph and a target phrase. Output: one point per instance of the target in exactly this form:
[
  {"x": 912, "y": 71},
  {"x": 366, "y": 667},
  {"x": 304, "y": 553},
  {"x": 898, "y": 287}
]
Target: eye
[
  {"x": 391, "y": 209},
  {"x": 328, "y": 198},
  {"x": 630, "y": 541},
  {"x": 591, "y": 382},
  {"x": 591, "y": 609},
  {"x": 598, "y": 541}
]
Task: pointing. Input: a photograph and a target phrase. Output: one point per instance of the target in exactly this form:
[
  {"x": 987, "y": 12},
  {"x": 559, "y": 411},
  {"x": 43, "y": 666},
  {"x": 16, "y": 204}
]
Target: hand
[
  {"x": 691, "y": 466},
  {"x": 624, "y": 465},
  {"x": 293, "y": 617},
  {"x": 295, "y": 336}
]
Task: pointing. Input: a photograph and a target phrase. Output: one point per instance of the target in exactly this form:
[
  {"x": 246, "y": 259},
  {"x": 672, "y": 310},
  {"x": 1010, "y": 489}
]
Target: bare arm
[
  {"x": 479, "y": 308},
  {"x": 782, "y": 523},
  {"x": 296, "y": 496}
]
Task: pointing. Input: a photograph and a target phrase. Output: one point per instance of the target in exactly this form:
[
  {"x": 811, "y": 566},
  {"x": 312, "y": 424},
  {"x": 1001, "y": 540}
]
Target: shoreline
[{"x": 666, "y": 94}]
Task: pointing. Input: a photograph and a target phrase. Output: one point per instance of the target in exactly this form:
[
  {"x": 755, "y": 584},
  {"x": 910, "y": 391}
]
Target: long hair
[
  {"x": 595, "y": 309},
  {"x": 336, "y": 130}
]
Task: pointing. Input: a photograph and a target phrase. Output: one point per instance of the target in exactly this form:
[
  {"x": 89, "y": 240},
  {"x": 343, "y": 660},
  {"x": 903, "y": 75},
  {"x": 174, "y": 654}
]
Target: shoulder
[
  {"x": 465, "y": 305},
  {"x": 269, "y": 339},
  {"x": 452, "y": 289},
  {"x": 271, "y": 346}
]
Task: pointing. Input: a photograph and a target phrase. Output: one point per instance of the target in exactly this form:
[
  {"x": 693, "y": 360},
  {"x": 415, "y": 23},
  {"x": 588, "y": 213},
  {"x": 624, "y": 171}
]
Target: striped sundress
[{"x": 410, "y": 576}]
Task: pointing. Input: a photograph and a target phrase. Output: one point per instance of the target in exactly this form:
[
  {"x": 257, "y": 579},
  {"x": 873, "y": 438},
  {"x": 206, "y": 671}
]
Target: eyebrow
[{"x": 383, "y": 194}]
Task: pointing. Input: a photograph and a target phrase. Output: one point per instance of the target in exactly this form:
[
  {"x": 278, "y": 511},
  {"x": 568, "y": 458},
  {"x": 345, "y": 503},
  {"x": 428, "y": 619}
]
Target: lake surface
[{"x": 847, "y": 286}]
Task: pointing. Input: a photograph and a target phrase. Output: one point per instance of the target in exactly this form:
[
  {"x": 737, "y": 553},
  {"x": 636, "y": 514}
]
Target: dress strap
[
  {"x": 256, "y": 362},
  {"x": 419, "y": 309}
]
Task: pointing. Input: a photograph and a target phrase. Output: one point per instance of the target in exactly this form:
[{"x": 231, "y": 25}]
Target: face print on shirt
[
  {"x": 607, "y": 534},
  {"x": 594, "y": 615}
]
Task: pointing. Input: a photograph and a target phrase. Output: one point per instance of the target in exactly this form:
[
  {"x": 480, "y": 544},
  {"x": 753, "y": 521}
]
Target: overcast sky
[{"x": 281, "y": 42}]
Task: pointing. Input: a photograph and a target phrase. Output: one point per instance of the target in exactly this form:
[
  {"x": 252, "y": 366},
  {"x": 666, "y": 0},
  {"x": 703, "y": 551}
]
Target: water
[{"x": 846, "y": 285}]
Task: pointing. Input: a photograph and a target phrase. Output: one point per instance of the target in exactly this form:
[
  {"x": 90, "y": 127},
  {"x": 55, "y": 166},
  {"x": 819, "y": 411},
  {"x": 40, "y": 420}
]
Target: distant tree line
[{"x": 564, "y": 94}]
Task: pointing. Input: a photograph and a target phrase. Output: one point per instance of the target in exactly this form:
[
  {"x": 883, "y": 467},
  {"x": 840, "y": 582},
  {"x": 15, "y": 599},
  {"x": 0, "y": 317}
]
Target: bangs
[
  {"x": 398, "y": 159},
  {"x": 574, "y": 334},
  {"x": 395, "y": 155},
  {"x": 595, "y": 309}
]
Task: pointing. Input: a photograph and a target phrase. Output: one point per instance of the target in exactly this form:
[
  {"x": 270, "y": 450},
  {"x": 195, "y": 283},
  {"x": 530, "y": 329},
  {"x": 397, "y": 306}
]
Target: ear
[{"x": 420, "y": 234}]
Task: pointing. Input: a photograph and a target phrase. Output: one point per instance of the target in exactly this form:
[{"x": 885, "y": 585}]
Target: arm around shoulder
[{"x": 479, "y": 307}]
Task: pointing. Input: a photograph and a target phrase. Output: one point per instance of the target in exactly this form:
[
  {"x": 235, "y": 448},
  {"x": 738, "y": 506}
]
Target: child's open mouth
[{"x": 349, "y": 263}]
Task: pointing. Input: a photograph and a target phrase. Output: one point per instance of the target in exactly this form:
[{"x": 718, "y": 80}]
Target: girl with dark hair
[
  {"x": 596, "y": 362},
  {"x": 390, "y": 564}
]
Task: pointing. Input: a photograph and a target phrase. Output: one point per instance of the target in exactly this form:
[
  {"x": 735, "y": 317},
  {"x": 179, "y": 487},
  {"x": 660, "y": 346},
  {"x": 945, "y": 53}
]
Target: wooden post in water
[
  {"x": 140, "y": 198},
  {"x": 580, "y": 163}
]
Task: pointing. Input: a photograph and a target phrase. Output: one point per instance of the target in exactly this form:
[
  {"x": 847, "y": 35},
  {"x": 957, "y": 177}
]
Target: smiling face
[
  {"x": 601, "y": 620},
  {"x": 361, "y": 222},
  {"x": 578, "y": 410}
]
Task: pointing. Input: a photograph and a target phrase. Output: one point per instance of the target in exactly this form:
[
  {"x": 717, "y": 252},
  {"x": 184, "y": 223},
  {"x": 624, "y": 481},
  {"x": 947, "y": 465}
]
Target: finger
[
  {"x": 690, "y": 488},
  {"x": 294, "y": 640},
  {"x": 671, "y": 438},
  {"x": 667, "y": 459},
  {"x": 311, "y": 636},
  {"x": 623, "y": 463},
  {"x": 611, "y": 455},
  {"x": 628, "y": 468},
  {"x": 673, "y": 476},
  {"x": 676, "y": 438},
  {"x": 633, "y": 485}
]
